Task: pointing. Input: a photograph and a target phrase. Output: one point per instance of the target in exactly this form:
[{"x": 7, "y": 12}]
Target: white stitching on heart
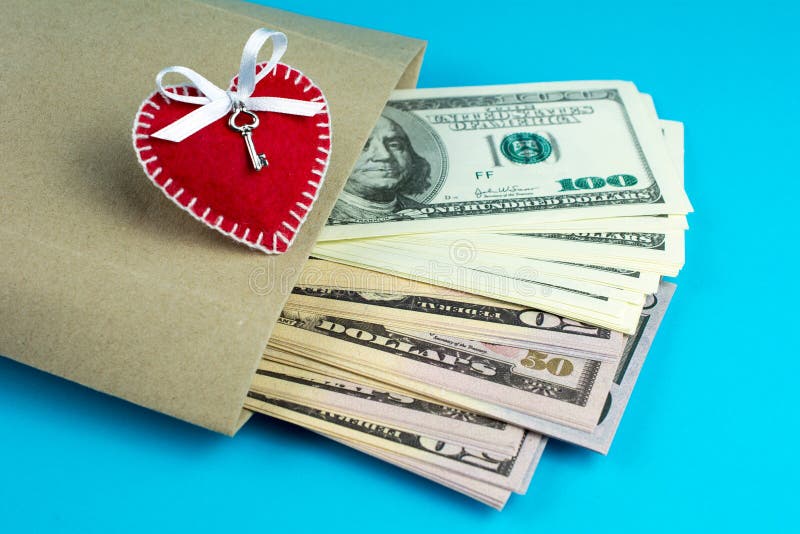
[{"x": 258, "y": 244}]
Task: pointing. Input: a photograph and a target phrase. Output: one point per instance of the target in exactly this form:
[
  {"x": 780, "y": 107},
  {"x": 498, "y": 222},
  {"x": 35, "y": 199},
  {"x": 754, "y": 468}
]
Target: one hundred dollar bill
[
  {"x": 482, "y": 260},
  {"x": 616, "y": 310},
  {"x": 480, "y": 157},
  {"x": 662, "y": 253}
]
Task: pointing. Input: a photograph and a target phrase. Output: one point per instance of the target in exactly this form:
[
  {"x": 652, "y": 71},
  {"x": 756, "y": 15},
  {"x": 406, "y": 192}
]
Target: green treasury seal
[{"x": 525, "y": 147}]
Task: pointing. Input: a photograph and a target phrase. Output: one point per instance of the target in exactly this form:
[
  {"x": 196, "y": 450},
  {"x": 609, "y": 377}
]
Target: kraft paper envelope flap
[{"x": 102, "y": 280}]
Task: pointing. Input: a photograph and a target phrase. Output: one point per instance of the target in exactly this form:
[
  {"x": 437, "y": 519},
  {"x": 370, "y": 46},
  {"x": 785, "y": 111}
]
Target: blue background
[{"x": 707, "y": 440}]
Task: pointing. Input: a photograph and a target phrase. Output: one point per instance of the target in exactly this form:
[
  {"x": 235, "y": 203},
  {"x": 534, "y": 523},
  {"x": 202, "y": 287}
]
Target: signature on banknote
[{"x": 507, "y": 191}]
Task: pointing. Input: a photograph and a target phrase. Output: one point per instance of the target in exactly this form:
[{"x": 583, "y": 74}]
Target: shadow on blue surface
[
  {"x": 76, "y": 408},
  {"x": 269, "y": 429},
  {"x": 28, "y": 389}
]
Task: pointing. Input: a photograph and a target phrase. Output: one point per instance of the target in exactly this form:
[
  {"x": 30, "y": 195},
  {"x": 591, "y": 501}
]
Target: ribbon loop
[
  {"x": 216, "y": 103},
  {"x": 247, "y": 68}
]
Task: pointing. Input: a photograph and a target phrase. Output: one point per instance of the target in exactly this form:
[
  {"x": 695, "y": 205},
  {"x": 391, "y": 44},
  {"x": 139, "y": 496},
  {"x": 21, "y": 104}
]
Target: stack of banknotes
[{"x": 490, "y": 277}]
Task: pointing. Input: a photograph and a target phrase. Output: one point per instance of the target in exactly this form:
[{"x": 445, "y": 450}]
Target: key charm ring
[{"x": 239, "y": 109}]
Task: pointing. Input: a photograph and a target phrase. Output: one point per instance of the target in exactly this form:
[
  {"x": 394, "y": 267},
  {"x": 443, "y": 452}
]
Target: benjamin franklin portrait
[{"x": 387, "y": 172}]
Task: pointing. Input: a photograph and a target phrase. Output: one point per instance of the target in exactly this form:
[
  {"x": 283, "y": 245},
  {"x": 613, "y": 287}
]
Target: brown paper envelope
[{"x": 102, "y": 280}]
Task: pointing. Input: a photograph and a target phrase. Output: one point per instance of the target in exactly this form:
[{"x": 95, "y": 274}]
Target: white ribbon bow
[{"x": 216, "y": 103}]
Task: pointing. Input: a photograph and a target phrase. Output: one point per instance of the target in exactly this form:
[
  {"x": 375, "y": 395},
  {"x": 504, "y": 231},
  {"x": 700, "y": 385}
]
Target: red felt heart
[{"x": 209, "y": 174}]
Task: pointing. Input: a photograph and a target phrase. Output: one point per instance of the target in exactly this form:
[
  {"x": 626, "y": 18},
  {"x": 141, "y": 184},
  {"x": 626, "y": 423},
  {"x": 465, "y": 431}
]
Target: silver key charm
[{"x": 259, "y": 160}]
